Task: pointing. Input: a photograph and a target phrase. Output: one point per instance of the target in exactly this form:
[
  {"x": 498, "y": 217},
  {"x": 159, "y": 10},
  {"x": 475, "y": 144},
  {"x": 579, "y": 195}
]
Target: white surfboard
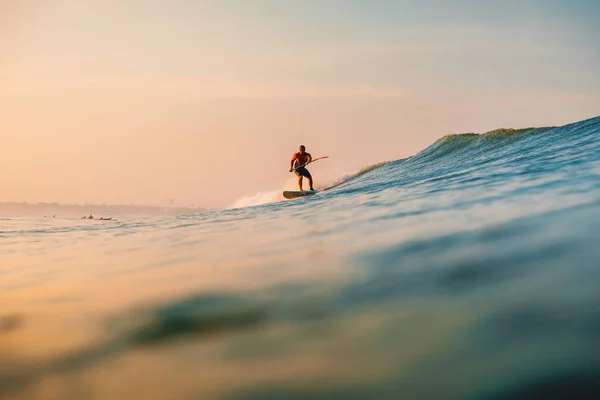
[{"x": 293, "y": 194}]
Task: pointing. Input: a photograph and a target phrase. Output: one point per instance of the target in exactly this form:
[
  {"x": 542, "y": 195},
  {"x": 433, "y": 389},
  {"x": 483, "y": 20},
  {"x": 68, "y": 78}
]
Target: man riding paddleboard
[{"x": 298, "y": 165}]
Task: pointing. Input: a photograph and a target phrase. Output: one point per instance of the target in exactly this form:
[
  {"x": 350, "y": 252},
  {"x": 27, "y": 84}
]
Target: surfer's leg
[
  {"x": 303, "y": 172},
  {"x": 309, "y": 177}
]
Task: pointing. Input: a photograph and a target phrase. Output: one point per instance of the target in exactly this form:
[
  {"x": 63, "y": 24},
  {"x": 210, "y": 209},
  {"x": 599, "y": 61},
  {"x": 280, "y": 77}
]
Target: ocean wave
[{"x": 472, "y": 264}]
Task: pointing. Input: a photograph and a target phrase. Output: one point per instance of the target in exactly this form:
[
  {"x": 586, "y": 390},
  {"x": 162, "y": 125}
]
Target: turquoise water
[{"x": 468, "y": 271}]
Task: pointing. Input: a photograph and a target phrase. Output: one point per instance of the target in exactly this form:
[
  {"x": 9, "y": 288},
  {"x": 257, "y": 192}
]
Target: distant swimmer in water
[{"x": 299, "y": 161}]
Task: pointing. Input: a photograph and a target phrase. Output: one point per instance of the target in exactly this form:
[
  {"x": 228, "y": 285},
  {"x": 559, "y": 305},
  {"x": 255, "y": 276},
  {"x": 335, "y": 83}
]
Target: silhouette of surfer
[{"x": 298, "y": 166}]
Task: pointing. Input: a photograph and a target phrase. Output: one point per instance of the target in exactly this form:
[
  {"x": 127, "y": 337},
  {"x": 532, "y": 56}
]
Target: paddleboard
[{"x": 293, "y": 194}]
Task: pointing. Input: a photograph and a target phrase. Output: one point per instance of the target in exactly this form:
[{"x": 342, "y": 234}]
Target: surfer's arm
[{"x": 292, "y": 163}]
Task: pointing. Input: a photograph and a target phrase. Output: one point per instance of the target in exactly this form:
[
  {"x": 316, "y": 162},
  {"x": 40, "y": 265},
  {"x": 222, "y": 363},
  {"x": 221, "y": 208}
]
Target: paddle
[{"x": 311, "y": 161}]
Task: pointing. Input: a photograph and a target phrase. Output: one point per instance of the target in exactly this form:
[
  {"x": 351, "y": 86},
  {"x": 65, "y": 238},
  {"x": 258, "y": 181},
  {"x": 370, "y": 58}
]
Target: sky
[{"x": 204, "y": 102}]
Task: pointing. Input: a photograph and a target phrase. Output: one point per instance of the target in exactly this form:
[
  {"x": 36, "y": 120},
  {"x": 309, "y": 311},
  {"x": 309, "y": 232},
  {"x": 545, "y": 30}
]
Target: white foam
[
  {"x": 273, "y": 196},
  {"x": 259, "y": 198}
]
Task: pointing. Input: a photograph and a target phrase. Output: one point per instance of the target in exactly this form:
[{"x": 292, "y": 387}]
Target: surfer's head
[{"x": 302, "y": 149}]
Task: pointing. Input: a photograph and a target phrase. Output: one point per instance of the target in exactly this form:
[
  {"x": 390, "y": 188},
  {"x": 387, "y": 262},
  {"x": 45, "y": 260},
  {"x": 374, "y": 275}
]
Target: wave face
[{"x": 468, "y": 271}]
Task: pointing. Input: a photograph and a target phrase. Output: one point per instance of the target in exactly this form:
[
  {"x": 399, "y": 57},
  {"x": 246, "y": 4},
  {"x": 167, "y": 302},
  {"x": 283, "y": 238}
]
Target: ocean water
[{"x": 468, "y": 271}]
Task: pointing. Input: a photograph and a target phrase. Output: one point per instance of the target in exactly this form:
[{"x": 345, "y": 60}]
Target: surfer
[{"x": 298, "y": 165}]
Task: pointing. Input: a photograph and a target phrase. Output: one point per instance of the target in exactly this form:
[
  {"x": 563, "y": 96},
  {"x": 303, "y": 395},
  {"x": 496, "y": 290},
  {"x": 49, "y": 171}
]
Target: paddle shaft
[{"x": 311, "y": 161}]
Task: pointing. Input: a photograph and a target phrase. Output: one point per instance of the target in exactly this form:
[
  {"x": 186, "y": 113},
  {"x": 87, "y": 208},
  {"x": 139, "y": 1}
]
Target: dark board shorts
[{"x": 303, "y": 172}]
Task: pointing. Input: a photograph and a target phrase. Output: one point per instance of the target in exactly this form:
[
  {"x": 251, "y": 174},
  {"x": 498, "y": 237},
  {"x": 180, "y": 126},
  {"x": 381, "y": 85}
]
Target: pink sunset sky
[{"x": 204, "y": 102}]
